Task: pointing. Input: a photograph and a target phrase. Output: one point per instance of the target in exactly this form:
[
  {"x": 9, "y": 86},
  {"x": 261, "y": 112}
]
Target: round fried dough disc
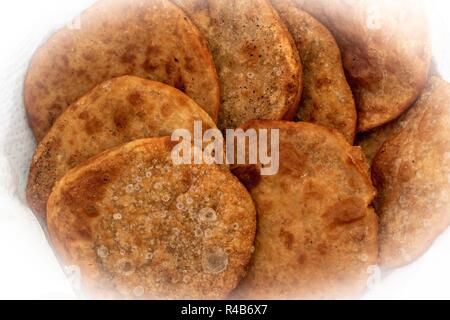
[
  {"x": 118, "y": 111},
  {"x": 372, "y": 141},
  {"x": 139, "y": 227},
  {"x": 256, "y": 59},
  {"x": 386, "y": 51},
  {"x": 151, "y": 39},
  {"x": 327, "y": 98},
  {"x": 317, "y": 234},
  {"x": 412, "y": 175}
]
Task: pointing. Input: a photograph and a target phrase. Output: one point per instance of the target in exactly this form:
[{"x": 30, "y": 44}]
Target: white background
[{"x": 28, "y": 269}]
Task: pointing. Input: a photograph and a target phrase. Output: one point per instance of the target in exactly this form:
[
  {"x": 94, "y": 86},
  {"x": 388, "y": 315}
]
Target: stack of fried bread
[{"x": 105, "y": 99}]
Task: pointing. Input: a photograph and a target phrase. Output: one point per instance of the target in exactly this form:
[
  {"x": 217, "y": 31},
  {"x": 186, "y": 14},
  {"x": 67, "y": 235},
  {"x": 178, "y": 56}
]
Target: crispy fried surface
[
  {"x": 327, "y": 98},
  {"x": 317, "y": 234},
  {"x": 372, "y": 141},
  {"x": 256, "y": 59},
  {"x": 117, "y": 111},
  {"x": 151, "y": 39},
  {"x": 412, "y": 174},
  {"x": 140, "y": 228},
  {"x": 386, "y": 52}
]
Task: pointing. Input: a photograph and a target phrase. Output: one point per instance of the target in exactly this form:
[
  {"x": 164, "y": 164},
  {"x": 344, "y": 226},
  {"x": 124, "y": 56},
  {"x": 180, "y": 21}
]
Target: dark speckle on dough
[
  {"x": 405, "y": 171},
  {"x": 128, "y": 57},
  {"x": 91, "y": 211},
  {"x": 301, "y": 259},
  {"x": 84, "y": 233},
  {"x": 149, "y": 67},
  {"x": 288, "y": 239},
  {"x": 189, "y": 64},
  {"x": 121, "y": 119},
  {"x": 291, "y": 87},
  {"x": 88, "y": 56},
  {"x": 346, "y": 211},
  {"x": 153, "y": 50},
  {"x": 322, "y": 249},
  {"x": 323, "y": 82},
  {"x": 170, "y": 68},
  {"x": 180, "y": 85},
  {"x": 251, "y": 52},
  {"x": 248, "y": 175},
  {"x": 81, "y": 72},
  {"x": 54, "y": 111},
  {"x": 135, "y": 98},
  {"x": 89, "y": 191},
  {"x": 93, "y": 125}
]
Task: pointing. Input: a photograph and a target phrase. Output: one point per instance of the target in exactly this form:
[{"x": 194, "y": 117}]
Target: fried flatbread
[
  {"x": 372, "y": 141},
  {"x": 139, "y": 227},
  {"x": 327, "y": 98},
  {"x": 386, "y": 52},
  {"x": 151, "y": 39},
  {"x": 317, "y": 234},
  {"x": 412, "y": 175},
  {"x": 256, "y": 59},
  {"x": 115, "y": 112}
]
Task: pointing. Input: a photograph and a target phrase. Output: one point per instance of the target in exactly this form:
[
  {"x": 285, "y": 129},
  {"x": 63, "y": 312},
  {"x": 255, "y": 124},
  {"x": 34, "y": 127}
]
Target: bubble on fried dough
[
  {"x": 102, "y": 252},
  {"x": 158, "y": 186},
  {"x": 208, "y": 215},
  {"x": 364, "y": 257},
  {"x": 149, "y": 256},
  {"x": 198, "y": 232},
  {"x": 139, "y": 291},
  {"x": 163, "y": 214},
  {"x": 208, "y": 233},
  {"x": 189, "y": 201},
  {"x": 125, "y": 267},
  {"x": 166, "y": 197},
  {"x": 214, "y": 261},
  {"x": 187, "y": 279},
  {"x": 117, "y": 216},
  {"x": 129, "y": 189},
  {"x": 180, "y": 206}
]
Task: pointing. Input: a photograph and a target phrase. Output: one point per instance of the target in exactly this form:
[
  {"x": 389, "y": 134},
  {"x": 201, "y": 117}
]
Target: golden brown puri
[
  {"x": 139, "y": 227},
  {"x": 412, "y": 174},
  {"x": 327, "y": 98},
  {"x": 386, "y": 52},
  {"x": 115, "y": 112},
  {"x": 151, "y": 39},
  {"x": 317, "y": 234},
  {"x": 256, "y": 59},
  {"x": 372, "y": 141}
]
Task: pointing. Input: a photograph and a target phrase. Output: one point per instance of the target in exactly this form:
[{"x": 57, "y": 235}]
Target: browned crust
[
  {"x": 317, "y": 233},
  {"x": 411, "y": 174},
  {"x": 386, "y": 53},
  {"x": 115, "y": 112},
  {"x": 256, "y": 59},
  {"x": 142, "y": 253},
  {"x": 156, "y": 41},
  {"x": 327, "y": 98}
]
